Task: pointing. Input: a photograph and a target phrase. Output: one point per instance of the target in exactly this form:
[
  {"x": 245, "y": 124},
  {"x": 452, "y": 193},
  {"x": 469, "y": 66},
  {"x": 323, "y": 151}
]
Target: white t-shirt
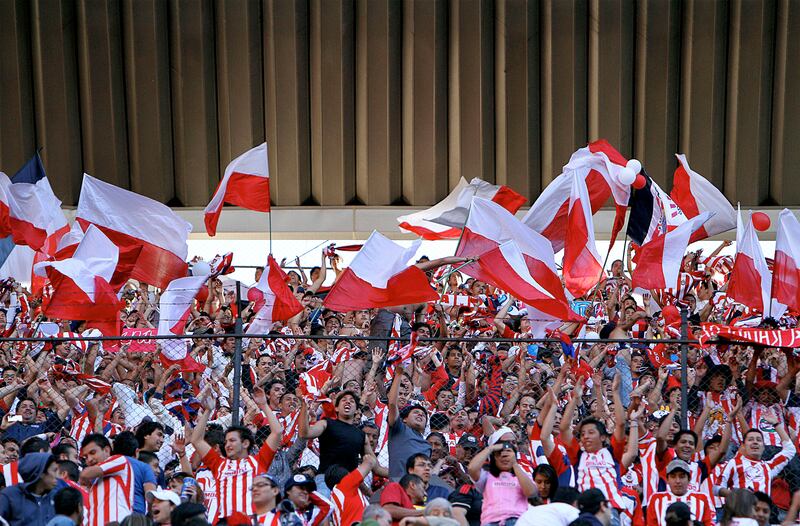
[{"x": 555, "y": 514}]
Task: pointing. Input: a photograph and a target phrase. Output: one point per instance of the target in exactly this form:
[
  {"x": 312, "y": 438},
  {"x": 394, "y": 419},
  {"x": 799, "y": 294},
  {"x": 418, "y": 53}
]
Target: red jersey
[
  {"x": 235, "y": 479},
  {"x": 348, "y": 501},
  {"x": 697, "y": 502},
  {"x": 111, "y": 495}
]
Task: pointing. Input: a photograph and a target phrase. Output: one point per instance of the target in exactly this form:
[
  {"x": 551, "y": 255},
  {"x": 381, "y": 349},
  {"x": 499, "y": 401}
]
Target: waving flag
[
  {"x": 505, "y": 268},
  {"x": 598, "y": 165},
  {"x": 245, "y": 184},
  {"x": 379, "y": 277},
  {"x": 786, "y": 269},
  {"x": 490, "y": 225},
  {"x": 311, "y": 381},
  {"x": 653, "y": 213},
  {"x": 176, "y": 303},
  {"x": 582, "y": 263},
  {"x": 658, "y": 262},
  {"x": 751, "y": 283},
  {"x": 280, "y": 304},
  {"x": 150, "y": 236},
  {"x": 694, "y": 194},
  {"x": 445, "y": 219},
  {"x": 80, "y": 283}
]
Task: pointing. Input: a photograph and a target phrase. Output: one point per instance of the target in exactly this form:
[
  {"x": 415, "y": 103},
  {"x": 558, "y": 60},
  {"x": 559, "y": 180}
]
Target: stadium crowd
[{"x": 446, "y": 433}]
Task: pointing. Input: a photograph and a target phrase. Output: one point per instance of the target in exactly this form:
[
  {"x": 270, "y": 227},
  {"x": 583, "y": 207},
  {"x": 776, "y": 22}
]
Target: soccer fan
[
  {"x": 346, "y": 496},
  {"x": 678, "y": 474},
  {"x": 31, "y": 501},
  {"x": 110, "y": 480},
  {"x": 234, "y": 473},
  {"x": 162, "y": 505}
]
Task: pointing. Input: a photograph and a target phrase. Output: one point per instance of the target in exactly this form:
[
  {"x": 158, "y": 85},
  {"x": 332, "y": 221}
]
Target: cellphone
[{"x": 15, "y": 418}]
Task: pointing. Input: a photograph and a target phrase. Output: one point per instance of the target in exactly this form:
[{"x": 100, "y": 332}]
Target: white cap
[
  {"x": 495, "y": 437},
  {"x": 165, "y": 494}
]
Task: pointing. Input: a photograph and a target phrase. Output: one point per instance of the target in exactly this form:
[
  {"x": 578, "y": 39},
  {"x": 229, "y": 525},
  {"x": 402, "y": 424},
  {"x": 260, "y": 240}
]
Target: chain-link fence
[{"x": 719, "y": 390}]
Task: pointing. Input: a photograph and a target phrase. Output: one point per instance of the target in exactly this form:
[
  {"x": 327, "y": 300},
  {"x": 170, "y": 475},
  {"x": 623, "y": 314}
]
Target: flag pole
[
  {"x": 270, "y": 231},
  {"x": 237, "y": 357},
  {"x": 458, "y": 245}
]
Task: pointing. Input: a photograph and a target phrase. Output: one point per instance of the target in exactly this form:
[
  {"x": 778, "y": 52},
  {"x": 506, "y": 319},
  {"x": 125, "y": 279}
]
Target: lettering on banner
[{"x": 141, "y": 344}]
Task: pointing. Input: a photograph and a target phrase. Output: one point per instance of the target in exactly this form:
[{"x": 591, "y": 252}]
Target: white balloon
[
  {"x": 627, "y": 176},
  {"x": 634, "y": 165},
  {"x": 201, "y": 268}
]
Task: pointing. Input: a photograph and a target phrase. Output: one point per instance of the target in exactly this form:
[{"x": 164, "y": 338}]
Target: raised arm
[
  {"x": 394, "y": 391},
  {"x": 303, "y": 428},
  {"x": 275, "y": 437},
  {"x": 619, "y": 411}
]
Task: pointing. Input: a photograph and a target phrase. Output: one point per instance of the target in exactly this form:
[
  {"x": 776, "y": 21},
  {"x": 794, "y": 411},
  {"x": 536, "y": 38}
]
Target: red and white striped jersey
[
  {"x": 755, "y": 413},
  {"x": 11, "y": 473},
  {"x": 82, "y": 425},
  {"x": 111, "y": 495},
  {"x": 348, "y": 501},
  {"x": 649, "y": 471},
  {"x": 208, "y": 485},
  {"x": 660, "y": 501},
  {"x": 269, "y": 518},
  {"x": 235, "y": 479},
  {"x": 318, "y": 511},
  {"x": 720, "y": 406},
  {"x": 756, "y": 475},
  {"x": 599, "y": 470}
]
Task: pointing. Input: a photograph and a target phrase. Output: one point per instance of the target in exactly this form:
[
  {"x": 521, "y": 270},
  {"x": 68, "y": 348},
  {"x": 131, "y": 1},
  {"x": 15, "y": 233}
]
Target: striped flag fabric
[
  {"x": 245, "y": 184},
  {"x": 151, "y": 237},
  {"x": 280, "y": 304},
  {"x": 379, "y": 276},
  {"x": 582, "y": 264},
  {"x": 695, "y": 194},
  {"x": 658, "y": 262},
  {"x": 786, "y": 269},
  {"x": 445, "y": 219}
]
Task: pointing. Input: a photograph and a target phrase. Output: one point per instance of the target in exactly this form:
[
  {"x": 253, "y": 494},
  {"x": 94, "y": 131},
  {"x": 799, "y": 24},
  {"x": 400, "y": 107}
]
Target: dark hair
[
  {"x": 738, "y": 503},
  {"x": 763, "y": 497},
  {"x": 601, "y": 427},
  {"x": 215, "y": 436},
  {"x": 63, "y": 449},
  {"x": 682, "y": 432},
  {"x": 244, "y": 434},
  {"x": 408, "y": 479},
  {"x": 548, "y": 471},
  {"x": 146, "y": 429},
  {"x": 125, "y": 443},
  {"x": 271, "y": 383},
  {"x": 147, "y": 457},
  {"x": 438, "y": 435},
  {"x": 412, "y": 460},
  {"x": 9, "y": 440},
  {"x": 566, "y": 495},
  {"x": 439, "y": 420},
  {"x": 753, "y": 430},
  {"x": 420, "y": 324},
  {"x": 70, "y": 468},
  {"x": 67, "y": 501},
  {"x": 96, "y": 438},
  {"x": 341, "y": 395},
  {"x": 334, "y": 474},
  {"x": 716, "y": 439},
  {"x": 34, "y": 445}
]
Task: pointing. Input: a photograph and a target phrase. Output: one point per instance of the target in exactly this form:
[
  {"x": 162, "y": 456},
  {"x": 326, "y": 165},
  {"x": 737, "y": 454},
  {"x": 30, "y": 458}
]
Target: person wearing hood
[{"x": 31, "y": 501}]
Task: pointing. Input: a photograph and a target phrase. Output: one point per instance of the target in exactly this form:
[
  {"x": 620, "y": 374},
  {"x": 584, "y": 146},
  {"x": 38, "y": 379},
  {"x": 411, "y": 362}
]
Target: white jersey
[
  {"x": 111, "y": 495},
  {"x": 756, "y": 475}
]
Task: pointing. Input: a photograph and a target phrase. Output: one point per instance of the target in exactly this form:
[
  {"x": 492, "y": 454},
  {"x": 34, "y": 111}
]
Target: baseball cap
[
  {"x": 467, "y": 441},
  {"x": 300, "y": 480},
  {"x": 165, "y": 494},
  {"x": 678, "y": 464},
  {"x": 590, "y": 500},
  {"x": 495, "y": 437},
  {"x": 187, "y": 511}
]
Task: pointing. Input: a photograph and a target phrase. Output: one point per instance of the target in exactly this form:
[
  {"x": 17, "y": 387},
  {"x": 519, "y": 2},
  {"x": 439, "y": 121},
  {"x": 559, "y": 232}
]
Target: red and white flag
[
  {"x": 150, "y": 236},
  {"x": 311, "y": 381},
  {"x": 445, "y": 219},
  {"x": 81, "y": 289},
  {"x": 786, "y": 270},
  {"x": 505, "y": 268},
  {"x": 751, "y": 282},
  {"x": 34, "y": 213},
  {"x": 489, "y": 226},
  {"x": 582, "y": 264},
  {"x": 245, "y": 184},
  {"x": 280, "y": 304},
  {"x": 599, "y": 165},
  {"x": 659, "y": 260},
  {"x": 694, "y": 194},
  {"x": 379, "y": 276},
  {"x": 176, "y": 303},
  {"x": 419, "y": 222}
]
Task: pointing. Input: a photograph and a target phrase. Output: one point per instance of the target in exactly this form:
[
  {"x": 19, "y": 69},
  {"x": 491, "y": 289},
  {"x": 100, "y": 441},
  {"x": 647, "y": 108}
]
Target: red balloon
[
  {"x": 639, "y": 182},
  {"x": 761, "y": 221}
]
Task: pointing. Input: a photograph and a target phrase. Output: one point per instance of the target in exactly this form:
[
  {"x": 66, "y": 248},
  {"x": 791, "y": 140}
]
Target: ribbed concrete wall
[{"x": 381, "y": 102}]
